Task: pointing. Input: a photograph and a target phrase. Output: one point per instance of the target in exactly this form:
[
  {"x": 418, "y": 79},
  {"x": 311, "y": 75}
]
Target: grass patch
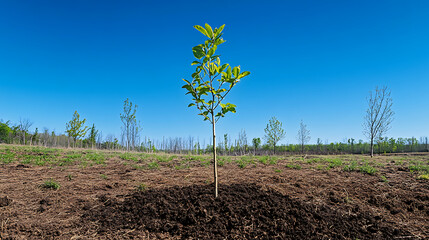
[
  {"x": 50, "y": 184},
  {"x": 294, "y": 166},
  {"x": 423, "y": 177},
  {"x": 153, "y": 165},
  {"x": 366, "y": 168},
  {"x": 351, "y": 167}
]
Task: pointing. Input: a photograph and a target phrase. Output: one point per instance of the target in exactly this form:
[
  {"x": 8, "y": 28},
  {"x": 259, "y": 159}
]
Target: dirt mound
[
  {"x": 242, "y": 211},
  {"x": 4, "y": 201}
]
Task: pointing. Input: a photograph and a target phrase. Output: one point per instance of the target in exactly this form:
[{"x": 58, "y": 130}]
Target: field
[{"x": 92, "y": 194}]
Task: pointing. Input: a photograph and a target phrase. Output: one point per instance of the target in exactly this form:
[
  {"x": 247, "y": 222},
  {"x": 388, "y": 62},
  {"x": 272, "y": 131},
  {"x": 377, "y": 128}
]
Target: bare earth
[{"x": 263, "y": 201}]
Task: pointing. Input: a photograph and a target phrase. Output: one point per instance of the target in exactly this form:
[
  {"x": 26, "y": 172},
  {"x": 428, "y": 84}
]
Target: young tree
[
  {"x": 379, "y": 115},
  {"x": 76, "y": 128},
  {"x": 274, "y": 132},
  {"x": 256, "y": 143},
  {"x": 92, "y": 135},
  {"x": 131, "y": 128},
  {"x": 211, "y": 82},
  {"x": 242, "y": 141},
  {"x": 303, "y": 136}
]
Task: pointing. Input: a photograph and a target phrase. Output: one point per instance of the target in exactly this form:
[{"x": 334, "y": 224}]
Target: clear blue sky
[{"x": 309, "y": 60}]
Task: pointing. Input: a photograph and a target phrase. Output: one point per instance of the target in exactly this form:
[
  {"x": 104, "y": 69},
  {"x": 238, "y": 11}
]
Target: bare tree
[
  {"x": 303, "y": 136},
  {"x": 24, "y": 125},
  {"x": 242, "y": 141},
  {"x": 379, "y": 115}
]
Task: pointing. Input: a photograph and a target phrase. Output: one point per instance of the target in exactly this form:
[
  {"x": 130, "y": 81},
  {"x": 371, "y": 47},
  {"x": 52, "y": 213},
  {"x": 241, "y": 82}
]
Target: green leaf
[
  {"x": 198, "y": 52},
  {"x": 202, "y": 30},
  {"x": 192, "y": 104},
  {"x": 223, "y": 67},
  {"x": 236, "y": 71},
  {"x": 211, "y": 51},
  {"x": 228, "y": 73},
  {"x": 209, "y": 31},
  {"x": 186, "y": 81},
  {"x": 244, "y": 74},
  {"x": 195, "y": 62},
  {"x": 219, "y": 41},
  {"x": 219, "y": 30}
]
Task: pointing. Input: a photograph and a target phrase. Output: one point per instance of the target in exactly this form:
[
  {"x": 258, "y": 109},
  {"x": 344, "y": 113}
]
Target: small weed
[
  {"x": 220, "y": 163},
  {"x": 383, "y": 178},
  {"x": 141, "y": 187},
  {"x": 153, "y": 165},
  {"x": 423, "y": 177},
  {"x": 294, "y": 166},
  {"x": 103, "y": 176},
  {"x": 333, "y": 163},
  {"x": 263, "y": 159},
  {"x": 50, "y": 184},
  {"x": 273, "y": 161},
  {"x": 277, "y": 170},
  {"x": 69, "y": 177},
  {"x": 366, "y": 168},
  {"x": 351, "y": 167}
]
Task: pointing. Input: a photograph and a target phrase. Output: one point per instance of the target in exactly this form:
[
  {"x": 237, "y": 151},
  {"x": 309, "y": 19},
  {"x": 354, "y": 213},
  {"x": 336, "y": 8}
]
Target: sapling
[{"x": 211, "y": 82}]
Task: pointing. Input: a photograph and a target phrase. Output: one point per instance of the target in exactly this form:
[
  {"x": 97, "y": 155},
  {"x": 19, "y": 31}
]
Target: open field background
[{"x": 91, "y": 194}]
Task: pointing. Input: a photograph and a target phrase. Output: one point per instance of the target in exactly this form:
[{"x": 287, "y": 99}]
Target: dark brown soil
[
  {"x": 242, "y": 211},
  {"x": 259, "y": 201}
]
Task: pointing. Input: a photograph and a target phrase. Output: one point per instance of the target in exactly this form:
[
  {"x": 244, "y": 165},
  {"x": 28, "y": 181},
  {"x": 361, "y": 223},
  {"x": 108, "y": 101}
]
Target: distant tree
[
  {"x": 211, "y": 82},
  {"x": 92, "y": 135},
  {"x": 76, "y": 128},
  {"x": 303, "y": 135},
  {"x": 274, "y": 132},
  {"x": 24, "y": 125},
  {"x": 131, "y": 128},
  {"x": 34, "y": 138},
  {"x": 242, "y": 141},
  {"x": 225, "y": 142},
  {"x": 319, "y": 144},
  {"x": 256, "y": 143},
  {"x": 5, "y": 131},
  {"x": 379, "y": 115}
]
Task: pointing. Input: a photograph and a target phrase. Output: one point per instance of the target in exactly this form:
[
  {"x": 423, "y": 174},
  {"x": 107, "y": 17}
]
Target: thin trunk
[
  {"x": 214, "y": 156},
  {"x": 372, "y": 147}
]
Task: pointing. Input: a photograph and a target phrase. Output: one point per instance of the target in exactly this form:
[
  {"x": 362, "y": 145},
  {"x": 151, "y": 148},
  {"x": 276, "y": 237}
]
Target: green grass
[
  {"x": 333, "y": 163},
  {"x": 353, "y": 166},
  {"x": 103, "y": 176},
  {"x": 423, "y": 177},
  {"x": 153, "y": 165},
  {"x": 50, "y": 184},
  {"x": 294, "y": 166},
  {"x": 366, "y": 168}
]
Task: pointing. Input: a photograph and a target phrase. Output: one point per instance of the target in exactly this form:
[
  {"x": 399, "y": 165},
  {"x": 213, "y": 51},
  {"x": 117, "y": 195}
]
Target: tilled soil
[
  {"x": 260, "y": 201},
  {"x": 242, "y": 211}
]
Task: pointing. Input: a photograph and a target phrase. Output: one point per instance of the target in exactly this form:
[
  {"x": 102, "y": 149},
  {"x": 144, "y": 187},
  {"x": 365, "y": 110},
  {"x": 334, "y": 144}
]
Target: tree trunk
[
  {"x": 214, "y": 156},
  {"x": 274, "y": 149},
  {"x": 372, "y": 147}
]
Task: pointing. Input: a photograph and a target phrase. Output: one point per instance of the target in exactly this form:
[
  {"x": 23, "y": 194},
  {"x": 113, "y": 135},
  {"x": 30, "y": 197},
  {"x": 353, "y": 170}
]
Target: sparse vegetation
[{"x": 50, "y": 184}]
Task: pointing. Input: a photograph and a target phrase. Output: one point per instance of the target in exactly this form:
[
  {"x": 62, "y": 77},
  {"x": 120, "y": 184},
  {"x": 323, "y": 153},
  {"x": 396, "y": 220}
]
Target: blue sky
[{"x": 309, "y": 60}]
